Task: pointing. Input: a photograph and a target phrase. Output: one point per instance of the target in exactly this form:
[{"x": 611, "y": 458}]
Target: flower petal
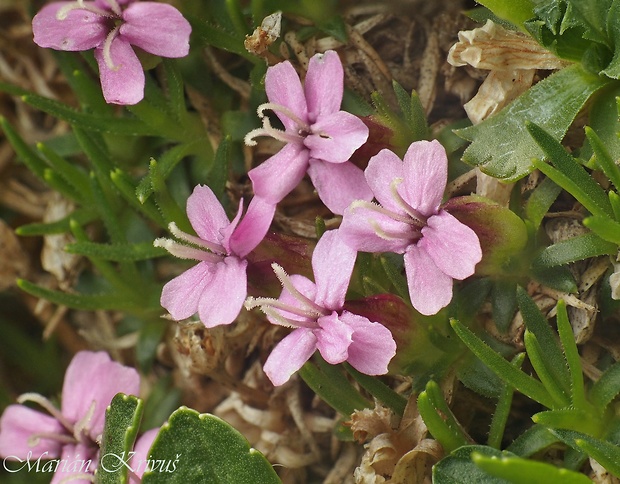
[
  {"x": 359, "y": 230},
  {"x": 333, "y": 338},
  {"x": 138, "y": 461},
  {"x": 157, "y": 28},
  {"x": 206, "y": 214},
  {"x": 453, "y": 246},
  {"x": 336, "y": 136},
  {"x": 18, "y": 424},
  {"x": 332, "y": 262},
  {"x": 283, "y": 87},
  {"x": 181, "y": 296},
  {"x": 306, "y": 287},
  {"x": 79, "y": 392},
  {"x": 382, "y": 169},
  {"x": 80, "y": 30},
  {"x": 277, "y": 176},
  {"x": 339, "y": 184},
  {"x": 324, "y": 85},
  {"x": 222, "y": 299},
  {"x": 76, "y": 462},
  {"x": 426, "y": 175},
  {"x": 373, "y": 345},
  {"x": 430, "y": 289},
  {"x": 290, "y": 355},
  {"x": 124, "y": 82},
  {"x": 253, "y": 228}
]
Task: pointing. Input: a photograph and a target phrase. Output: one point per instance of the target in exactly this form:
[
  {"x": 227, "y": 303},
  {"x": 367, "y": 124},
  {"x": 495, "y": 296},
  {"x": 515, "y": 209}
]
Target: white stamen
[
  {"x": 287, "y": 284},
  {"x": 268, "y": 302},
  {"x": 115, "y": 7},
  {"x": 382, "y": 210},
  {"x": 34, "y": 439},
  {"x": 107, "y": 46},
  {"x": 184, "y": 252},
  {"x": 179, "y": 234},
  {"x": 268, "y": 130},
  {"x": 83, "y": 425},
  {"x": 277, "y": 108},
  {"x": 80, "y": 5},
  {"x": 386, "y": 235},
  {"x": 417, "y": 218},
  {"x": 47, "y": 405}
]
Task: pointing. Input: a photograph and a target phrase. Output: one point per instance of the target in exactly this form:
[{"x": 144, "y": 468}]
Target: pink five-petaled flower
[
  {"x": 319, "y": 137},
  {"x": 111, "y": 27},
  {"x": 216, "y": 287},
  {"x": 72, "y": 433},
  {"x": 316, "y": 310},
  {"x": 437, "y": 247}
]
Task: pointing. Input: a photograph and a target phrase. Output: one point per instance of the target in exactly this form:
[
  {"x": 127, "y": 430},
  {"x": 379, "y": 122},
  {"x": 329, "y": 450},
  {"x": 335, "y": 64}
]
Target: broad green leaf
[
  {"x": 553, "y": 357},
  {"x": 502, "y": 368},
  {"x": 501, "y": 145},
  {"x": 117, "y": 252},
  {"x": 606, "y": 388},
  {"x": 592, "y": 14},
  {"x": 202, "y": 448},
  {"x": 329, "y": 383},
  {"x": 613, "y": 31},
  {"x": 122, "y": 420},
  {"x": 439, "y": 418},
  {"x": 605, "y": 453},
  {"x": 516, "y": 12},
  {"x": 459, "y": 468},
  {"x": 569, "y": 174},
  {"x": 602, "y": 134},
  {"x": 524, "y": 471},
  {"x": 571, "y": 250},
  {"x": 559, "y": 278},
  {"x": 605, "y": 228}
]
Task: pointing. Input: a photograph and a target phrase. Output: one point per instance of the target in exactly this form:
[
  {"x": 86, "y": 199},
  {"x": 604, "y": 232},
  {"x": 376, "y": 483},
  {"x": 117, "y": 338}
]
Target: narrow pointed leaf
[
  {"x": 540, "y": 201},
  {"x": 539, "y": 363},
  {"x": 91, "y": 302},
  {"x": 606, "y": 388},
  {"x": 458, "y": 467},
  {"x": 605, "y": 453},
  {"x": 571, "y": 250},
  {"x": 524, "y": 471},
  {"x": 570, "y": 174},
  {"x": 502, "y": 368},
  {"x": 117, "y": 252},
  {"x": 604, "y": 227},
  {"x": 571, "y": 354},
  {"x": 439, "y": 418},
  {"x": 603, "y": 158},
  {"x": 379, "y": 390},
  {"x": 329, "y": 383},
  {"x": 550, "y": 350}
]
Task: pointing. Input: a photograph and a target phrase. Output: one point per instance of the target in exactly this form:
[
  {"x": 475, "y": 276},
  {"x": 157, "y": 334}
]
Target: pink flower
[
  {"x": 216, "y": 287},
  {"x": 437, "y": 247},
  {"x": 111, "y": 27},
  {"x": 316, "y": 310},
  {"x": 319, "y": 137},
  {"x": 72, "y": 433}
]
